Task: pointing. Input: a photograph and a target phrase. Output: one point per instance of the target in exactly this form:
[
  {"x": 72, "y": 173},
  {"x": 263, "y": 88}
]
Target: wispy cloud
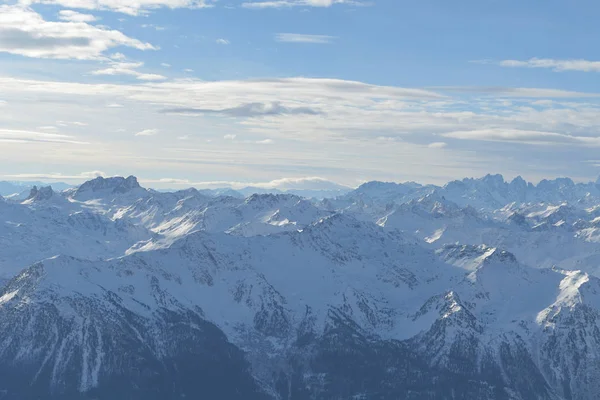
[
  {"x": 301, "y": 183},
  {"x": 19, "y": 136},
  {"x": 58, "y": 176},
  {"x": 74, "y": 16},
  {"x": 127, "y": 7},
  {"x": 222, "y": 41},
  {"x": 248, "y": 110},
  {"x": 155, "y": 27},
  {"x": 302, "y": 38},
  {"x": 515, "y": 92},
  {"x": 437, "y": 145},
  {"x": 128, "y": 69},
  {"x": 523, "y": 136},
  {"x": 549, "y": 63},
  {"x": 301, "y": 3},
  {"x": 147, "y": 132}
]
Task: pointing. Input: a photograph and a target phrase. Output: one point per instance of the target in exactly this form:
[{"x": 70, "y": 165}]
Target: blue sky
[{"x": 190, "y": 92}]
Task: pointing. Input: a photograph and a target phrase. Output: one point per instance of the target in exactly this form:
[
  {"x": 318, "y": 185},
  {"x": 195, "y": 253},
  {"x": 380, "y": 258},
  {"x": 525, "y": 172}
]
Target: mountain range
[{"x": 479, "y": 289}]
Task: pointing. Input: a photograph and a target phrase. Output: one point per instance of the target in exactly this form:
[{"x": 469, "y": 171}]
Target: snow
[
  {"x": 5, "y": 298},
  {"x": 482, "y": 256}
]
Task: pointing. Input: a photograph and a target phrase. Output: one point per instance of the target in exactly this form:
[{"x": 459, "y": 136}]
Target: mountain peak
[
  {"x": 496, "y": 180},
  {"x": 40, "y": 194},
  {"x": 116, "y": 184}
]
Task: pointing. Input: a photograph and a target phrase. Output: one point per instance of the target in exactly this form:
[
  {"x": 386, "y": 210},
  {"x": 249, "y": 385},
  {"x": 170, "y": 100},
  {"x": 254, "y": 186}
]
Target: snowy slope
[{"x": 481, "y": 289}]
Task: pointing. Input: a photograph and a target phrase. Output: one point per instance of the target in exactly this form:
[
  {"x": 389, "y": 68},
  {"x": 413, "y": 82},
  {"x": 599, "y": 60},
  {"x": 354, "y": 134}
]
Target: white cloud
[
  {"x": 128, "y": 69},
  {"x": 556, "y": 65},
  {"x": 516, "y": 92},
  {"x": 229, "y": 137},
  {"x": 437, "y": 145},
  {"x": 165, "y": 65},
  {"x": 25, "y": 32},
  {"x": 72, "y": 123},
  {"x": 302, "y": 183},
  {"x": 265, "y": 141},
  {"x": 155, "y": 27},
  {"x": 20, "y": 136},
  {"x": 301, "y": 38},
  {"x": 136, "y": 7},
  {"x": 74, "y": 16},
  {"x": 222, "y": 41},
  {"x": 58, "y": 176},
  {"x": 147, "y": 132},
  {"x": 300, "y": 3},
  {"x": 340, "y": 140},
  {"x": 523, "y": 136},
  {"x": 118, "y": 57}
]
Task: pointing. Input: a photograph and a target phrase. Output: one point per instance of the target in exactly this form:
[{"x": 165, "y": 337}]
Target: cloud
[
  {"x": 302, "y": 183},
  {"x": 265, "y": 141},
  {"x": 173, "y": 181},
  {"x": 437, "y": 145},
  {"x": 523, "y": 136},
  {"x": 128, "y": 69},
  {"x": 25, "y": 32},
  {"x": 136, "y": 7},
  {"x": 229, "y": 137},
  {"x": 20, "y": 136},
  {"x": 301, "y": 38},
  {"x": 222, "y": 41},
  {"x": 555, "y": 65},
  {"x": 155, "y": 27},
  {"x": 165, "y": 65},
  {"x": 147, "y": 132},
  {"x": 301, "y": 3},
  {"x": 248, "y": 110},
  {"x": 516, "y": 92},
  {"x": 58, "y": 176},
  {"x": 74, "y": 16}
]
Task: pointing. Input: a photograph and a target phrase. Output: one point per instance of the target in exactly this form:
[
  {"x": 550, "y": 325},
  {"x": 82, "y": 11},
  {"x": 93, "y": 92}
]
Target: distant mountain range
[
  {"x": 479, "y": 289},
  {"x": 8, "y": 188}
]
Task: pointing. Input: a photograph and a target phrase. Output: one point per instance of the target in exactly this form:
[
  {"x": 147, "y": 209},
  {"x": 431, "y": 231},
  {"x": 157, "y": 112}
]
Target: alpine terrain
[{"x": 478, "y": 290}]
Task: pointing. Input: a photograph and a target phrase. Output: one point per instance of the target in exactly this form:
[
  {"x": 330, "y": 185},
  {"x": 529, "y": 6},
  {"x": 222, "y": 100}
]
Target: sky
[{"x": 268, "y": 92}]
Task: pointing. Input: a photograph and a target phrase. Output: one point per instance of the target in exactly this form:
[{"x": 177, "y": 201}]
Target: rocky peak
[
  {"x": 40, "y": 194},
  {"x": 115, "y": 184},
  {"x": 496, "y": 180}
]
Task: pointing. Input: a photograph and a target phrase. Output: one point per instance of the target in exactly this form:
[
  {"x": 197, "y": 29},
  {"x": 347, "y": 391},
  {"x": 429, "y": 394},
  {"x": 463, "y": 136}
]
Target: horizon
[{"x": 282, "y": 185}]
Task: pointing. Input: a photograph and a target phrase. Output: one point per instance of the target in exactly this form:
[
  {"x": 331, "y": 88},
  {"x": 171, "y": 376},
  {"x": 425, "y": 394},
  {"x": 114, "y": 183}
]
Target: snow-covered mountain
[{"x": 481, "y": 289}]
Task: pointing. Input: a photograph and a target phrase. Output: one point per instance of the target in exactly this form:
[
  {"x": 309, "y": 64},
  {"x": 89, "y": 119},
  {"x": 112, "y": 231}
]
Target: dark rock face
[
  {"x": 40, "y": 194},
  {"x": 114, "y": 353},
  {"x": 346, "y": 364}
]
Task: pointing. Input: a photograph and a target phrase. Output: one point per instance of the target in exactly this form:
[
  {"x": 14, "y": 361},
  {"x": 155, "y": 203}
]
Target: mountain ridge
[{"x": 481, "y": 289}]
